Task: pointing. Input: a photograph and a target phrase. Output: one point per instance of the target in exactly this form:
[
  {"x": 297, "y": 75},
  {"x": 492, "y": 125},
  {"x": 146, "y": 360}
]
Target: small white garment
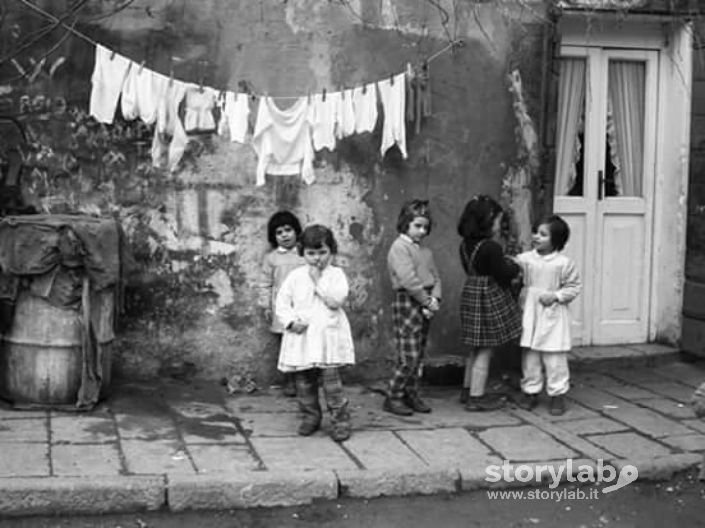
[
  {"x": 324, "y": 119},
  {"x": 198, "y": 109},
  {"x": 169, "y": 135},
  {"x": 141, "y": 93},
  {"x": 547, "y": 328},
  {"x": 107, "y": 80},
  {"x": 345, "y": 115},
  {"x": 365, "y": 106},
  {"x": 393, "y": 98},
  {"x": 282, "y": 140},
  {"x": 327, "y": 341},
  {"x": 235, "y": 110}
]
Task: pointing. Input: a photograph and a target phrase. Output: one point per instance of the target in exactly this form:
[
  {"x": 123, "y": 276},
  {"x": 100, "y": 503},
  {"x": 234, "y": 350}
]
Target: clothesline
[{"x": 450, "y": 46}]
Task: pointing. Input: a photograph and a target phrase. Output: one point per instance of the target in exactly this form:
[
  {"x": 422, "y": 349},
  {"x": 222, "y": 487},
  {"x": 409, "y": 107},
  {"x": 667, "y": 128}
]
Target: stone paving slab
[
  {"x": 302, "y": 453},
  {"x": 222, "y": 458},
  {"x": 593, "y": 426},
  {"x": 448, "y": 447},
  {"x": 670, "y": 408},
  {"x": 24, "y": 430},
  {"x": 269, "y": 424},
  {"x": 150, "y": 427},
  {"x": 85, "y": 459},
  {"x": 692, "y": 442},
  {"x": 524, "y": 443},
  {"x": 156, "y": 456},
  {"x": 646, "y": 421},
  {"x": 629, "y": 445},
  {"x": 82, "y": 429},
  {"x": 382, "y": 450},
  {"x": 673, "y": 390},
  {"x": 24, "y": 460}
]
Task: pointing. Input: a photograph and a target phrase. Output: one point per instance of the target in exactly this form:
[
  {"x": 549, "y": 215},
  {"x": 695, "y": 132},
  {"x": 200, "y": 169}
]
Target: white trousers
[{"x": 557, "y": 374}]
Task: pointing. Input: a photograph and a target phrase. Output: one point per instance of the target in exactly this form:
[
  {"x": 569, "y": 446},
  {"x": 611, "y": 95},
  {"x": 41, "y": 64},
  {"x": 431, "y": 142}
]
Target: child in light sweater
[{"x": 417, "y": 297}]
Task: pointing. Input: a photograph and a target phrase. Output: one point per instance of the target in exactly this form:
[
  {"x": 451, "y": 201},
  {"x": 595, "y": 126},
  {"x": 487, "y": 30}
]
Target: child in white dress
[
  {"x": 551, "y": 282},
  {"x": 317, "y": 337}
]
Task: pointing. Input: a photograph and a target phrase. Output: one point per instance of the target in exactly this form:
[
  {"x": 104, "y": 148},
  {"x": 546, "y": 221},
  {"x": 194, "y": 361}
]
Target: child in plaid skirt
[
  {"x": 489, "y": 315},
  {"x": 417, "y": 297}
]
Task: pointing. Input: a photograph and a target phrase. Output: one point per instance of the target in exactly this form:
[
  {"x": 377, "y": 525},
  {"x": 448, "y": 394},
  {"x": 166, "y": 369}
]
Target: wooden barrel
[{"x": 40, "y": 357}]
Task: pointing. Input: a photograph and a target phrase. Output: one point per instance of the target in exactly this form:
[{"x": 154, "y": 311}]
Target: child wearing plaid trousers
[
  {"x": 417, "y": 297},
  {"x": 317, "y": 339},
  {"x": 489, "y": 315}
]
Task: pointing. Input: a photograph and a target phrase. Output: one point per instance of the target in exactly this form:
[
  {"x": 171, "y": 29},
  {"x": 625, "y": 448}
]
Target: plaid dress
[{"x": 489, "y": 315}]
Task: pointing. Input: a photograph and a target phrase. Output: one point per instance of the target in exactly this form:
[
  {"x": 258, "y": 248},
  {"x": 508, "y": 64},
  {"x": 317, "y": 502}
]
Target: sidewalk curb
[
  {"x": 24, "y": 496},
  {"x": 663, "y": 467},
  {"x": 366, "y": 483},
  {"x": 249, "y": 490}
]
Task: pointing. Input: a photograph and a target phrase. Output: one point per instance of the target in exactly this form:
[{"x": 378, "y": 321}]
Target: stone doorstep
[{"x": 128, "y": 494}]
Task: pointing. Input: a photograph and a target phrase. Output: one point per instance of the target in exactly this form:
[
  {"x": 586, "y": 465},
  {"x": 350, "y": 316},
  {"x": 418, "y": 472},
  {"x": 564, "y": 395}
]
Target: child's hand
[
  {"x": 433, "y": 305},
  {"x": 548, "y": 298},
  {"x": 268, "y": 314},
  {"x": 315, "y": 273},
  {"x": 298, "y": 327},
  {"x": 427, "y": 313}
]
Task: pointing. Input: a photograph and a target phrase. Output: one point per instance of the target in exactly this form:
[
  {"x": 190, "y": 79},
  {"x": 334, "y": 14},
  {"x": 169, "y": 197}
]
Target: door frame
[{"x": 673, "y": 41}]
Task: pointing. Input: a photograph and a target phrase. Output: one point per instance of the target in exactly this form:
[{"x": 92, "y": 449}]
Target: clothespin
[
  {"x": 391, "y": 79},
  {"x": 364, "y": 88},
  {"x": 171, "y": 70},
  {"x": 309, "y": 97},
  {"x": 342, "y": 93},
  {"x": 141, "y": 67},
  {"x": 203, "y": 64},
  {"x": 112, "y": 55},
  {"x": 324, "y": 95}
]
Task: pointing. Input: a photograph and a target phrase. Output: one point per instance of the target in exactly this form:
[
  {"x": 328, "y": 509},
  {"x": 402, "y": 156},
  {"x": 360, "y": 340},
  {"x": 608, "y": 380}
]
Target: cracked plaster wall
[{"x": 198, "y": 236}]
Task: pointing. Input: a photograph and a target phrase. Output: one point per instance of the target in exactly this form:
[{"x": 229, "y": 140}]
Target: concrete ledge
[
  {"x": 249, "y": 489},
  {"x": 475, "y": 478},
  {"x": 80, "y": 495},
  {"x": 368, "y": 483},
  {"x": 663, "y": 467}
]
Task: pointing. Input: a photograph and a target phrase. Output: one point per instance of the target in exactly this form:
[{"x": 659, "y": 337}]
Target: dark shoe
[
  {"x": 416, "y": 404},
  {"x": 528, "y": 401},
  {"x": 340, "y": 423},
  {"x": 464, "y": 395},
  {"x": 289, "y": 389},
  {"x": 308, "y": 427},
  {"x": 486, "y": 402},
  {"x": 557, "y": 405},
  {"x": 396, "y": 406}
]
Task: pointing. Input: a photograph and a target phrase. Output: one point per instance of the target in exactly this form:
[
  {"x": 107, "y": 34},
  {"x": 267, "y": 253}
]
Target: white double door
[{"x": 604, "y": 186}]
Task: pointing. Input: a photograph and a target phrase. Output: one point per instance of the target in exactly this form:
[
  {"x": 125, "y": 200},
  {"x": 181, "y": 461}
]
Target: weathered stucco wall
[{"x": 198, "y": 236}]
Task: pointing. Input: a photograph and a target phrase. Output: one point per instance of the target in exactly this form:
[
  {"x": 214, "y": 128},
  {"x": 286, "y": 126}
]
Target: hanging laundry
[
  {"x": 170, "y": 138},
  {"x": 198, "y": 109},
  {"x": 324, "y": 119},
  {"x": 108, "y": 77},
  {"x": 418, "y": 96},
  {"x": 282, "y": 140},
  {"x": 345, "y": 115},
  {"x": 141, "y": 93},
  {"x": 365, "y": 107},
  {"x": 392, "y": 95},
  {"x": 234, "y": 112}
]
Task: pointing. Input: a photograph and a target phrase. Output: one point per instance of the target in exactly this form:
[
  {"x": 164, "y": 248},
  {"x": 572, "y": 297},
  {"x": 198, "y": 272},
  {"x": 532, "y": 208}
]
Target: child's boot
[
  {"x": 340, "y": 423},
  {"x": 558, "y": 405},
  {"x": 528, "y": 401},
  {"x": 486, "y": 402},
  {"x": 396, "y": 406},
  {"x": 415, "y": 403},
  {"x": 289, "y": 389},
  {"x": 307, "y": 391},
  {"x": 464, "y": 395}
]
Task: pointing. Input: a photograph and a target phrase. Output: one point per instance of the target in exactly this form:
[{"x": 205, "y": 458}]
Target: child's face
[
  {"x": 317, "y": 257},
  {"x": 542, "y": 239},
  {"x": 418, "y": 228},
  {"x": 285, "y": 236},
  {"x": 497, "y": 225}
]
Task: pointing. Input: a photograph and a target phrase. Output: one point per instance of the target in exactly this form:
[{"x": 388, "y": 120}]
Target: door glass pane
[
  {"x": 624, "y": 158},
  {"x": 571, "y": 127}
]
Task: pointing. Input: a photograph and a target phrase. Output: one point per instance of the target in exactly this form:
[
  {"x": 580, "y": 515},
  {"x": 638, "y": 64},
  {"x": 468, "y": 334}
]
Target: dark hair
[
  {"x": 478, "y": 217},
  {"x": 279, "y": 219},
  {"x": 413, "y": 209},
  {"x": 314, "y": 236},
  {"x": 558, "y": 230}
]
